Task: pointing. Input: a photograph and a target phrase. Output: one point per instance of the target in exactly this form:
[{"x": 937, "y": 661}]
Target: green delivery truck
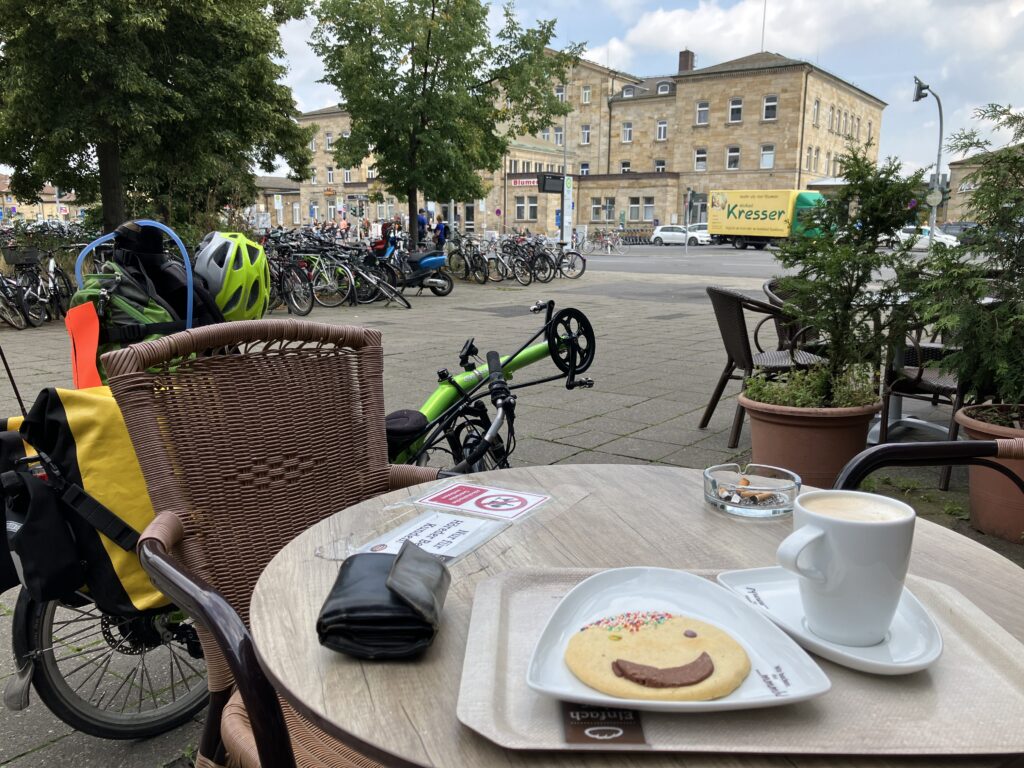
[{"x": 757, "y": 216}]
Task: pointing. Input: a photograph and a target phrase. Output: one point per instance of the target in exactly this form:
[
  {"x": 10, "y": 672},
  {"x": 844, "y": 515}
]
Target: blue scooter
[{"x": 423, "y": 270}]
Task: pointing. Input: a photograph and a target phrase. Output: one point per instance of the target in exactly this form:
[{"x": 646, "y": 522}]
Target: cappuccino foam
[{"x": 858, "y": 509}]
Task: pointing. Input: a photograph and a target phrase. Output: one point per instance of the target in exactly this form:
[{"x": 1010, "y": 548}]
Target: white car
[
  {"x": 919, "y": 237},
  {"x": 677, "y": 234}
]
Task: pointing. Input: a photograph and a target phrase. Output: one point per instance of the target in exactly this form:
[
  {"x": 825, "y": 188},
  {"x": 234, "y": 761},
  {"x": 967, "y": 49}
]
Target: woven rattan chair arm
[
  {"x": 1011, "y": 448},
  {"x": 164, "y": 528},
  {"x": 757, "y": 331},
  {"x": 139, "y": 357},
  {"x": 403, "y": 475},
  {"x": 208, "y": 607},
  {"x": 756, "y": 305}
]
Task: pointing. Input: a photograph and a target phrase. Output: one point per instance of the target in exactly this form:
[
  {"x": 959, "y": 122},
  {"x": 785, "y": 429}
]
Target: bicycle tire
[
  {"x": 480, "y": 269},
  {"x": 543, "y": 268},
  {"x": 390, "y": 293},
  {"x": 70, "y": 644},
  {"x": 587, "y": 246},
  {"x": 494, "y": 273},
  {"x": 296, "y": 289},
  {"x": 572, "y": 265},
  {"x": 12, "y": 315},
  {"x": 367, "y": 290},
  {"x": 328, "y": 290},
  {"x": 32, "y": 307},
  {"x": 64, "y": 290},
  {"x": 617, "y": 247},
  {"x": 522, "y": 272},
  {"x": 458, "y": 264}
]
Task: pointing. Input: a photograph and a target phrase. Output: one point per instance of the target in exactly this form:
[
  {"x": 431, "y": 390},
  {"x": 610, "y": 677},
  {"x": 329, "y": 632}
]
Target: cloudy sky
[{"x": 970, "y": 51}]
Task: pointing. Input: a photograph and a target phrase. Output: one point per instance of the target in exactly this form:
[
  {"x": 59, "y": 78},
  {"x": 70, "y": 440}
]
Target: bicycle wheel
[
  {"x": 389, "y": 293},
  {"x": 480, "y": 269},
  {"x": 366, "y": 287},
  {"x": 617, "y": 246},
  {"x": 572, "y": 265},
  {"x": 296, "y": 289},
  {"x": 32, "y": 306},
  {"x": 543, "y": 268},
  {"x": 63, "y": 290},
  {"x": 329, "y": 287},
  {"x": 458, "y": 264},
  {"x": 111, "y": 676},
  {"x": 494, "y": 270},
  {"x": 12, "y": 315},
  {"x": 522, "y": 272},
  {"x": 587, "y": 246}
]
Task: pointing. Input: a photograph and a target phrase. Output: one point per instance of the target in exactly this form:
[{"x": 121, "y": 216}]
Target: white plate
[
  {"x": 913, "y": 644},
  {"x": 781, "y": 672}
]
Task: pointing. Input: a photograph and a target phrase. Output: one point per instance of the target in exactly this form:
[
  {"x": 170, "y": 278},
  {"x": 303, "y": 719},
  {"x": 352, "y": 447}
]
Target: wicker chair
[
  {"x": 248, "y": 433},
  {"x": 730, "y": 307}
]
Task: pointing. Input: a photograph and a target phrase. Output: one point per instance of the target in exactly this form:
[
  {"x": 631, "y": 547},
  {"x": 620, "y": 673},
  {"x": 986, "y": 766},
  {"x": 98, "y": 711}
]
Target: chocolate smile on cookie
[{"x": 697, "y": 670}]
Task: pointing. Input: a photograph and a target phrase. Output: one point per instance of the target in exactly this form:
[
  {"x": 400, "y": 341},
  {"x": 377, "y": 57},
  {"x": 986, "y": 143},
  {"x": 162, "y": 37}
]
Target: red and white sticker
[{"x": 499, "y": 503}]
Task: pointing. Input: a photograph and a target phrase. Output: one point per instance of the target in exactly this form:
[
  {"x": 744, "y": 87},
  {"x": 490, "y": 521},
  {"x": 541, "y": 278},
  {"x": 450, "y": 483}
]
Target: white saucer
[{"x": 913, "y": 644}]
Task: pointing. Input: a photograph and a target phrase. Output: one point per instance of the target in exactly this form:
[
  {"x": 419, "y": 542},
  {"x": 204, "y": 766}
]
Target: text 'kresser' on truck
[{"x": 757, "y": 217}]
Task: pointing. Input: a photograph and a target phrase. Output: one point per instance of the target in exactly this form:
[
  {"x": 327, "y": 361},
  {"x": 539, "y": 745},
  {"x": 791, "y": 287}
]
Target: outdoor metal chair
[
  {"x": 730, "y": 307},
  {"x": 791, "y": 333},
  {"x": 248, "y": 433}
]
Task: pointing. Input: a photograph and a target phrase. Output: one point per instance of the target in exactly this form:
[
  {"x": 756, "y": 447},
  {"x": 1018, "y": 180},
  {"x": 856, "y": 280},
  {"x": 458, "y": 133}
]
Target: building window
[
  {"x": 312, "y": 144},
  {"x": 735, "y": 110},
  {"x": 648, "y": 209},
  {"x": 531, "y": 207},
  {"x": 312, "y": 178},
  {"x": 381, "y": 210},
  {"x": 332, "y": 211},
  {"x": 520, "y": 208},
  {"x": 627, "y": 92},
  {"x": 561, "y": 169},
  {"x": 371, "y": 172},
  {"x": 329, "y": 141},
  {"x": 526, "y": 208},
  {"x": 817, "y": 157},
  {"x": 585, "y": 94},
  {"x": 634, "y": 209},
  {"x": 584, "y": 169},
  {"x": 869, "y": 130},
  {"x": 810, "y": 158},
  {"x": 314, "y": 210},
  {"x": 858, "y": 129},
  {"x": 828, "y": 161},
  {"x": 546, "y": 134},
  {"x": 330, "y": 175},
  {"x": 347, "y": 176},
  {"x": 595, "y": 209},
  {"x": 846, "y": 119},
  {"x": 296, "y": 213},
  {"x": 770, "y": 110},
  {"x": 700, "y": 159},
  {"x": 831, "y": 118},
  {"x": 732, "y": 158},
  {"x": 584, "y": 134},
  {"x": 526, "y": 166},
  {"x": 346, "y": 134},
  {"x": 624, "y": 166},
  {"x": 609, "y": 208},
  {"x": 659, "y": 166},
  {"x": 663, "y": 88},
  {"x": 559, "y": 138},
  {"x": 550, "y": 168},
  {"x": 662, "y": 130},
  {"x": 627, "y": 133},
  {"x": 560, "y": 92},
  {"x": 703, "y": 112},
  {"x": 815, "y": 111},
  {"x": 767, "y": 157},
  {"x": 515, "y": 166}
]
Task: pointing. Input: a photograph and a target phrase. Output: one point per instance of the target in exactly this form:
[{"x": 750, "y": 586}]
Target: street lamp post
[{"x": 921, "y": 91}]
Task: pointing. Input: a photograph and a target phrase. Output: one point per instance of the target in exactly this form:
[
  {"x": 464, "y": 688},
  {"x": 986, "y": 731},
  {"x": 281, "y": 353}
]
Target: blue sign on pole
[{"x": 558, "y": 217}]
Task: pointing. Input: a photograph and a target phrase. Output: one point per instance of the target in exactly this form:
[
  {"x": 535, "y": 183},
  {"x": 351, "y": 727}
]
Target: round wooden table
[{"x": 600, "y": 516}]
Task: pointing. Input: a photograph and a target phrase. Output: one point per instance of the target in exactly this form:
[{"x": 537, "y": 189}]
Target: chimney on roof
[{"x": 687, "y": 59}]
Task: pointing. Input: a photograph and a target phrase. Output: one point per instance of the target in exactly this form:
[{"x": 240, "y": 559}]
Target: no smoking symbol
[{"x": 501, "y": 502}]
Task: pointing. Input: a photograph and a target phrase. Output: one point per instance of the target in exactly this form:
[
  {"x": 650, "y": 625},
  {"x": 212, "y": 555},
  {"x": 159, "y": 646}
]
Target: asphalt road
[{"x": 710, "y": 260}]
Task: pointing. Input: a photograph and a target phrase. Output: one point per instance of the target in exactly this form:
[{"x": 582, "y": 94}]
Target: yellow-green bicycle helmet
[{"x": 236, "y": 273}]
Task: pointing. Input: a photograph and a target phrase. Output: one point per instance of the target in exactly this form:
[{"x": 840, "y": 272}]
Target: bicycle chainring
[{"x": 571, "y": 341}]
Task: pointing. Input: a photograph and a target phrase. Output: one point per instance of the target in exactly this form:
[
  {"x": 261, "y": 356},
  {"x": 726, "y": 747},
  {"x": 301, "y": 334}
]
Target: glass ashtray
[{"x": 756, "y": 491}]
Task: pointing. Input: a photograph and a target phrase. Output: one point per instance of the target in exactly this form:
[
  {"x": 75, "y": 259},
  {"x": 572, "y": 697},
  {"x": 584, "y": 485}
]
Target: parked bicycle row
[
  {"x": 38, "y": 289},
  {"x": 524, "y": 259}
]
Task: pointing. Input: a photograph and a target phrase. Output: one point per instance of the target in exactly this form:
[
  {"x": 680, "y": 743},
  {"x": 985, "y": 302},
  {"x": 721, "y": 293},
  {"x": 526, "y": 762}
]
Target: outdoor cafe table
[{"x": 600, "y": 516}]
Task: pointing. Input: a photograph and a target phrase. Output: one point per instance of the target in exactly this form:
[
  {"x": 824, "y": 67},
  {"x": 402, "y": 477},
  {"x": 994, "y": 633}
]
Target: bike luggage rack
[{"x": 19, "y": 257}]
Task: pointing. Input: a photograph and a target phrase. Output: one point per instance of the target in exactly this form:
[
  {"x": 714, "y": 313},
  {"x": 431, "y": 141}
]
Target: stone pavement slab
[{"x": 658, "y": 356}]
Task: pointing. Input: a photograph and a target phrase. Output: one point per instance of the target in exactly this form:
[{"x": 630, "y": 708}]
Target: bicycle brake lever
[{"x": 538, "y": 307}]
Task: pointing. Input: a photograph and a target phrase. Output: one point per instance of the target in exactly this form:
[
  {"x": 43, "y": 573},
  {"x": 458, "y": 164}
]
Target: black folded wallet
[{"x": 385, "y": 606}]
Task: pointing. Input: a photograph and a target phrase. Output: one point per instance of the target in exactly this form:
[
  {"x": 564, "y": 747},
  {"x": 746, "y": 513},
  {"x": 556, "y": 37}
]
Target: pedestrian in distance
[{"x": 440, "y": 232}]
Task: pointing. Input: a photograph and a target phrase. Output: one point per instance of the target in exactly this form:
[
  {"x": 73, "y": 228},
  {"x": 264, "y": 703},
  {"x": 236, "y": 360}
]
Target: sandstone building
[{"x": 637, "y": 145}]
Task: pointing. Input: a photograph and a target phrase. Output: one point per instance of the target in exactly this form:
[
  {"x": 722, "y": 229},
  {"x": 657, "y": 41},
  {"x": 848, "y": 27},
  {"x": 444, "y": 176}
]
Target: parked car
[
  {"x": 964, "y": 231},
  {"x": 920, "y": 238},
  {"x": 677, "y": 234}
]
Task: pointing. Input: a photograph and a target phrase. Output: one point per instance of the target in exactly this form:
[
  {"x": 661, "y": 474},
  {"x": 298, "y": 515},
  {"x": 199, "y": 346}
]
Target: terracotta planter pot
[
  {"x": 815, "y": 443},
  {"x": 997, "y": 505}
]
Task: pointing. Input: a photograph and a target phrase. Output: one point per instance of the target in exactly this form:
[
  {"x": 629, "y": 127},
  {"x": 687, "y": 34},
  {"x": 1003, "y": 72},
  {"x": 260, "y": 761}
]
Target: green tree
[
  {"x": 169, "y": 102},
  {"x": 431, "y": 95}
]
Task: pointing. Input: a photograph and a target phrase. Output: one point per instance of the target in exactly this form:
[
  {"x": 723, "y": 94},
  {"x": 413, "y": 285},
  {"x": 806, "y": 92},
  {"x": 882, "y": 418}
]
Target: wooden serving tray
[{"x": 971, "y": 701}]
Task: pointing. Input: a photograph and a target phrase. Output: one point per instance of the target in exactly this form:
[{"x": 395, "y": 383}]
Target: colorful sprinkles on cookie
[{"x": 633, "y": 621}]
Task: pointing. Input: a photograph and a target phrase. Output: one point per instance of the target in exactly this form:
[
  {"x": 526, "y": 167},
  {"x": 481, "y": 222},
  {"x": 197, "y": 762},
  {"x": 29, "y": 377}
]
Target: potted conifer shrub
[
  {"x": 976, "y": 295},
  {"x": 848, "y": 290}
]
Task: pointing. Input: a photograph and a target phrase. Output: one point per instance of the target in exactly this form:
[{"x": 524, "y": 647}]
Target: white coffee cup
[{"x": 850, "y": 551}]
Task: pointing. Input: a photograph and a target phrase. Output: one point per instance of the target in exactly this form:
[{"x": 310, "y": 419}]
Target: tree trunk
[
  {"x": 108, "y": 153},
  {"x": 414, "y": 224}
]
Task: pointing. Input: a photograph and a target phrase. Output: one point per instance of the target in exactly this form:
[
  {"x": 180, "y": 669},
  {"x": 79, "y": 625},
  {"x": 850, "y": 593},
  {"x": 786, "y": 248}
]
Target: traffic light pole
[{"x": 921, "y": 92}]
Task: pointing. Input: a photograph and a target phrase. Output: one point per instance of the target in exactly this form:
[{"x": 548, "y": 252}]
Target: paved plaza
[{"x": 658, "y": 355}]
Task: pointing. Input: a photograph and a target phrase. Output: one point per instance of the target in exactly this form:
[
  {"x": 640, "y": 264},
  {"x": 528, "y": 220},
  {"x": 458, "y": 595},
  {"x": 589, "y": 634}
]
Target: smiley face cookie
[{"x": 655, "y": 655}]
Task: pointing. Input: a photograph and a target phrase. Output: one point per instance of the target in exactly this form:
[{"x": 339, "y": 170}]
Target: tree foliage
[
  {"x": 845, "y": 286},
  {"x": 168, "y": 102},
  {"x": 976, "y": 292},
  {"x": 431, "y": 96}
]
